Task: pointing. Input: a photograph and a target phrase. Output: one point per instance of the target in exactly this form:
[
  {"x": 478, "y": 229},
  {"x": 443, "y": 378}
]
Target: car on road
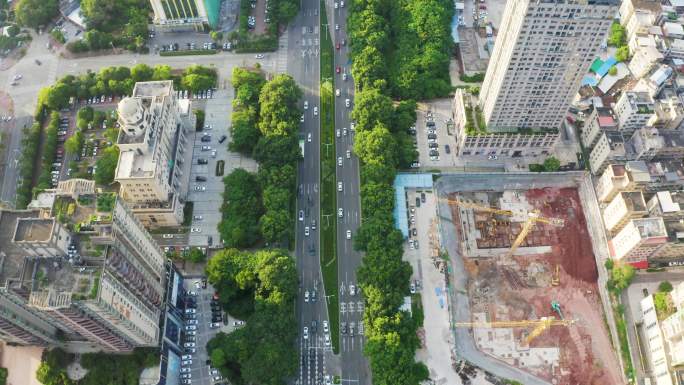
[
  {"x": 195, "y": 230},
  {"x": 447, "y": 149},
  {"x": 214, "y": 325},
  {"x": 352, "y": 290},
  {"x": 412, "y": 288},
  {"x": 344, "y": 76},
  {"x": 337, "y": 5},
  {"x": 343, "y": 328},
  {"x": 492, "y": 157},
  {"x": 189, "y": 344},
  {"x": 186, "y": 381},
  {"x": 339, "y": 186},
  {"x": 306, "y": 296},
  {"x": 344, "y": 131},
  {"x": 259, "y": 56},
  {"x": 348, "y": 234},
  {"x": 306, "y": 332},
  {"x": 422, "y": 197},
  {"x": 186, "y": 362},
  {"x": 301, "y": 215},
  {"x": 306, "y": 104},
  {"x": 306, "y": 231},
  {"x": 200, "y": 188},
  {"x": 185, "y": 370},
  {"x": 222, "y": 138},
  {"x": 301, "y": 119},
  {"x": 308, "y": 137},
  {"x": 190, "y": 311},
  {"x": 313, "y": 225},
  {"x": 314, "y": 326},
  {"x": 200, "y": 178},
  {"x": 348, "y": 154},
  {"x": 206, "y": 148},
  {"x": 327, "y": 339},
  {"x": 340, "y": 212},
  {"x": 315, "y": 111},
  {"x": 338, "y": 69},
  {"x": 202, "y": 161},
  {"x": 339, "y": 161},
  {"x": 347, "y": 103},
  {"x": 186, "y": 375},
  {"x": 167, "y": 236},
  {"x": 337, "y": 92},
  {"x": 337, "y": 46},
  {"x": 337, "y": 27},
  {"x": 338, "y": 133},
  {"x": 186, "y": 357}
]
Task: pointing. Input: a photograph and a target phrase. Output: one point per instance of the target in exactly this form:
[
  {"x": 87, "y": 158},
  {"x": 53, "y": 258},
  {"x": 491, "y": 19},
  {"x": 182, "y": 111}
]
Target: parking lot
[
  {"x": 198, "y": 371},
  {"x": 206, "y": 187},
  {"x": 435, "y": 145}
]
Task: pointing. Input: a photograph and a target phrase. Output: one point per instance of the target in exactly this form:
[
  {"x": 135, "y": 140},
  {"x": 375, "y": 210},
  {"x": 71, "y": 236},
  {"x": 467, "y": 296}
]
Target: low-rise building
[
  {"x": 649, "y": 177},
  {"x": 667, "y": 204},
  {"x": 625, "y": 206},
  {"x": 669, "y": 112},
  {"x": 183, "y": 15},
  {"x": 644, "y": 60},
  {"x": 609, "y": 149},
  {"x": 639, "y": 240},
  {"x": 601, "y": 119},
  {"x": 633, "y": 110},
  {"x": 650, "y": 143}
]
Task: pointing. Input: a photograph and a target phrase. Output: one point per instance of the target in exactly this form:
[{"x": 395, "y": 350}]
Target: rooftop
[
  {"x": 135, "y": 165},
  {"x": 670, "y": 171},
  {"x": 33, "y": 229},
  {"x": 618, "y": 169},
  {"x": 670, "y": 202},
  {"x": 11, "y": 255},
  {"x": 634, "y": 200},
  {"x": 153, "y": 89},
  {"x": 650, "y": 227}
]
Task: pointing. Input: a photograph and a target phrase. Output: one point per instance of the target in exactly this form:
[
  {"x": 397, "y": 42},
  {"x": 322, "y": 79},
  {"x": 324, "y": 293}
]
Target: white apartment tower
[
  {"x": 152, "y": 143},
  {"x": 542, "y": 51}
]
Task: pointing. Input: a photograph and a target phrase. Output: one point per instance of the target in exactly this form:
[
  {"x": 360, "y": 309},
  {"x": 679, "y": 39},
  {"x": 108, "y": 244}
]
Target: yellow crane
[
  {"x": 478, "y": 207},
  {"x": 538, "y": 326}
]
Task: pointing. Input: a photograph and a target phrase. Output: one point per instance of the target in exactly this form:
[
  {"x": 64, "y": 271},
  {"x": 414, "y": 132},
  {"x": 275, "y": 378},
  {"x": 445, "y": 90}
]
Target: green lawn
[{"x": 328, "y": 185}]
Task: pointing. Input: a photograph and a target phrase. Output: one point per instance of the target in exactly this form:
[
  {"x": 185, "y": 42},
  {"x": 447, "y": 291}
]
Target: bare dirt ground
[
  {"x": 524, "y": 291},
  {"x": 21, "y": 363}
]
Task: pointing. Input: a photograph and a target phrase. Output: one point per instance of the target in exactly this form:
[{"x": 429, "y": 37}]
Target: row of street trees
[
  {"x": 383, "y": 145},
  {"x": 265, "y": 124}
]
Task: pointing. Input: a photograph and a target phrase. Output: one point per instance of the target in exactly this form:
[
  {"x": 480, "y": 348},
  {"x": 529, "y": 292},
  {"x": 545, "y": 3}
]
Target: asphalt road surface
[
  {"x": 303, "y": 65},
  {"x": 353, "y": 364}
]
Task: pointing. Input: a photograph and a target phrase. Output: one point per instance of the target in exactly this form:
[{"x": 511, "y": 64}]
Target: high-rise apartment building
[
  {"x": 542, "y": 51},
  {"x": 105, "y": 293},
  {"x": 152, "y": 143},
  {"x": 183, "y": 14}
]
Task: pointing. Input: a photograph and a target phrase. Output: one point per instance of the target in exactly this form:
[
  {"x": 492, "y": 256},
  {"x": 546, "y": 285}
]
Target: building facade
[
  {"x": 543, "y": 50},
  {"x": 185, "y": 14},
  {"x": 634, "y": 110},
  {"x": 152, "y": 141},
  {"x": 639, "y": 240},
  {"x": 625, "y": 206}
]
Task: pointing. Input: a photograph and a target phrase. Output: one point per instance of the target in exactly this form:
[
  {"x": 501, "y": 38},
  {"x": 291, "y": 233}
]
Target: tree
[
  {"x": 196, "y": 255},
  {"x": 245, "y": 134},
  {"x": 196, "y": 83},
  {"x": 622, "y": 275},
  {"x": 622, "y": 54},
  {"x": 404, "y": 116},
  {"x": 551, "y": 164},
  {"x": 218, "y": 358},
  {"x": 376, "y": 146},
  {"x": 371, "y": 107},
  {"x": 35, "y": 13},
  {"x": 280, "y": 111},
  {"x": 665, "y": 287},
  {"x": 242, "y": 209},
  {"x": 13, "y": 30},
  {"x": 613, "y": 71},
  {"x": 216, "y": 35},
  {"x": 161, "y": 72},
  {"x": 142, "y": 72},
  {"x": 617, "y": 36},
  {"x": 74, "y": 144},
  {"x": 106, "y": 165}
]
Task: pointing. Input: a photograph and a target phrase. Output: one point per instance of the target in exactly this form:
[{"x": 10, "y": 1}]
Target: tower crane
[
  {"x": 475, "y": 206},
  {"x": 538, "y": 326}
]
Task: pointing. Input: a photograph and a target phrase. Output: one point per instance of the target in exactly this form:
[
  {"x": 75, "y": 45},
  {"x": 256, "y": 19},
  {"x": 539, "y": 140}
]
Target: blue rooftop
[
  {"x": 401, "y": 182},
  {"x": 603, "y": 70}
]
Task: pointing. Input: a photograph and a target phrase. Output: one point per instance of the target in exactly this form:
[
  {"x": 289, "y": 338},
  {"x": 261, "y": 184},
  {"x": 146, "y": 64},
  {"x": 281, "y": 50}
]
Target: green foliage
[
  {"x": 241, "y": 209},
  {"x": 196, "y": 255},
  {"x": 617, "y": 36},
  {"x": 620, "y": 277},
  {"x": 48, "y": 153},
  {"x": 189, "y": 52},
  {"x": 141, "y": 72},
  {"x": 279, "y": 107},
  {"x": 551, "y": 164},
  {"x": 105, "y": 202},
  {"x": 199, "y": 119},
  {"x": 475, "y": 78},
  {"x": 52, "y": 369},
  {"x": 35, "y": 13},
  {"x": 612, "y": 71},
  {"x": 106, "y": 165},
  {"x": 665, "y": 287},
  {"x": 58, "y": 36},
  {"x": 245, "y": 134},
  {"x": 260, "y": 288},
  {"x": 621, "y": 327},
  {"x": 29, "y": 152},
  {"x": 622, "y": 54},
  {"x": 74, "y": 144},
  {"x": 117, "y": 369},
  {"x": 119, "y": 22},
  {"x": 663, "y": 304},
  {"x": 3, "y": 376}
]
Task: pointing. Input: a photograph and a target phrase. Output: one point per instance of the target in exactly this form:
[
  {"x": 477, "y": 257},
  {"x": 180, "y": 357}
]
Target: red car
[
  {"x": 337, "y": 46},
  {"x": 338, "y": 69}
]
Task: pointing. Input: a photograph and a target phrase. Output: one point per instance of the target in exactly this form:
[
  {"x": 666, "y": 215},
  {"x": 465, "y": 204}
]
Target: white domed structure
[{"x": 131, "y": 115}]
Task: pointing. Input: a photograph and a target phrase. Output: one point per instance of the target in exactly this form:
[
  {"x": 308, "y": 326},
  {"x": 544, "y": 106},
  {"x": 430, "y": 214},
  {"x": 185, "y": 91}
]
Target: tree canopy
[{"x": 36, "y": 13}]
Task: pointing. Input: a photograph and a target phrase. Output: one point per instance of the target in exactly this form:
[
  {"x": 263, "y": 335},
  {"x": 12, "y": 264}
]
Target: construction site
[{"x": 530, "y": 277}]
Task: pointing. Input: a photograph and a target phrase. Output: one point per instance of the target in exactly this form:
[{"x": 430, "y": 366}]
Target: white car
[
  {"x": 342, "y": 4},
  {"x": 167, "y": 236},
  {"x": 338, "y": 133},
  {"x": 339, "y": 186},
  {"x": 339, "y": 161},
  {"x": 191, "y": 322},
  {"x": 344, "y": 76},
  {"x": 315, "y": 111},
  {"x": 190, "y": 311},
  {"x": 214, "y": 372},
  {"x": 301, "y": 215},
  {"x": 195, "y": 230},
  {"x": 308, "y": 138},
  {"x": 337, "y": 27},
  {"x": 344, "y": 131},
  {"x": 337, "y": 92},
  {"x": 347, "y": 103},
  {"x": 336, "y": 5},
  {"x": 259, "y": 56},
  {"x": 352, "y": 290},
  {"x": 200, "y": 188},
  {"x": 191, "y": 332},
  {"x": 191, "y": 327},
  {"x": 302, "y": 119},
  {"x": 185, "y": 370},
  {"x": 327, "y": 339},
  {"x": 353, "y": 126},
  {"x": 306, "y": 231},
  {"x": 186, "y": 357},
  {"x": 186, "y": 362},
  {"x": 328, "y": 380},
  {"x": 189, "y": 344},
  {"x": 348, "y": 234},
  {"x": 340, "y": 212},
  {"x": 306, "y": 333},
  {"x": 214, "y": 325},
  {"x": 306, "y": 296},
  {"x": 348, "y": 154},
  {"x": 306, "y": 104}
]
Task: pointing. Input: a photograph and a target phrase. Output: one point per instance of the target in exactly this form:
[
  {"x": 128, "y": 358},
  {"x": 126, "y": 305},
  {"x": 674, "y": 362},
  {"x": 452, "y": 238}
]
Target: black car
[
  {"x": 415, "y": 232},
  {"x": 432, "y": 136},
  {"x": 422, "y": 197},
  {"x": 206, "y": 139},
  {"x": 434, "y": 153},
  {"x": 430, "y": 123},
  {"x": 202, "y": 161},
  {"x": 223, "y": 139},
  {"x": 200, "y": 178},
  {"x": 417, "y": 202},
  {"x": 447, "y": 149},
  {"x": 433, "y": 145}
]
